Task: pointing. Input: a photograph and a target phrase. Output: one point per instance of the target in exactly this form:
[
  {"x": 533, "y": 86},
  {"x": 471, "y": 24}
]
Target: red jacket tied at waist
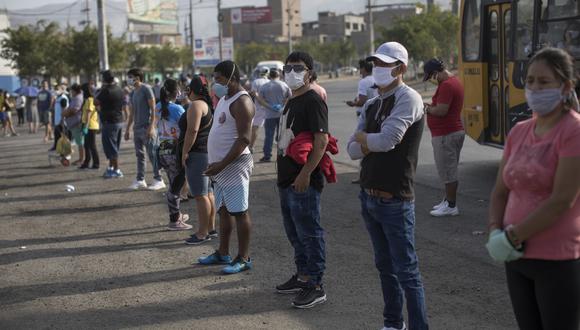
[{"x": 302, "y": 145}]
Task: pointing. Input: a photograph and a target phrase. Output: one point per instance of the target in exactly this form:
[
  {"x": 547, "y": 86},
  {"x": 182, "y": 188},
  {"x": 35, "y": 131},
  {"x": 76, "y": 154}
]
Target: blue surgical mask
[
  {"x": 219, "y": 90},
  {"x": 543, "y": 101}
]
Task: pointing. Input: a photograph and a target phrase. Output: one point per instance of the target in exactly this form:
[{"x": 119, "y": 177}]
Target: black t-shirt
[
  {"x": 305, "y": 113},
  {"x": 110, "y": 99}
]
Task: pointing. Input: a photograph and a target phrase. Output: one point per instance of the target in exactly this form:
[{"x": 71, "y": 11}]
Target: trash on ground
[{"x": 69, "y": 188}]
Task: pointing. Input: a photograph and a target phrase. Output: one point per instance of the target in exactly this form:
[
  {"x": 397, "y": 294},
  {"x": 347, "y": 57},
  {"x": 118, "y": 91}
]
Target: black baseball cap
[
  {"x": 108, "y": 76},
  {"x": 432, "y": 66}
]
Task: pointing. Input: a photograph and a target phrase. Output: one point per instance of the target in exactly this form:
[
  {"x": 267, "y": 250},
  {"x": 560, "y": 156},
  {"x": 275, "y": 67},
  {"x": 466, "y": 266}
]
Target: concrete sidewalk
[{"x": 99, "y": 257}]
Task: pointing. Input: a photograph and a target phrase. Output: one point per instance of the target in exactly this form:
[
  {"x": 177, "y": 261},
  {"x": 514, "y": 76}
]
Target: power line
[{"x": 46, "y": 13}]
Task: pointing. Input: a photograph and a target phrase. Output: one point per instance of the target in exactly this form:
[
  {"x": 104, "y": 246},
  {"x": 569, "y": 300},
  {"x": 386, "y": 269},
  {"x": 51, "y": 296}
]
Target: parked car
[
  {"x": 269, "y": 64},
  {"x": 348, "y": 70}
]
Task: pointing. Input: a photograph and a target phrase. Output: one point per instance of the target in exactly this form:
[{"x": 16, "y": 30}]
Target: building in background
[
  {"x": 331, "y": 27},
  {"x": 154, "y": 21},
  {"x": 8, "y": 79},
  {"x": 263, "y": 24}
]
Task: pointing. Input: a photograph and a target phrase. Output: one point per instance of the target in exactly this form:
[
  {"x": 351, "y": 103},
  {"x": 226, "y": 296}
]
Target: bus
[{"x": 497, "y": 38}]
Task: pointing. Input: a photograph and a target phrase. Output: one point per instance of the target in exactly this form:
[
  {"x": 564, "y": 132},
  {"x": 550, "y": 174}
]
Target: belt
[{"x": 379, "y": 193}]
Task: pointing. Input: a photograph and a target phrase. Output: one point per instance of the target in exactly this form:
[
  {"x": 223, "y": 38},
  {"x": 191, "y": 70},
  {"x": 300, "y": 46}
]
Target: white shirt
[
  {"x": 223, "y": 132},
  {"x": 365, "y": 88}
]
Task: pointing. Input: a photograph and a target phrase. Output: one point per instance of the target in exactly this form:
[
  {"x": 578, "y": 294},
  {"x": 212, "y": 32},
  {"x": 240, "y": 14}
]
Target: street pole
[
  {"x": 220, "y": 19},
  {"x": 371, "y": 29},
  {"x": 289, "y": 26},
  {"x": 191, "y": 44},
  {"x": 103, "y": 53}
]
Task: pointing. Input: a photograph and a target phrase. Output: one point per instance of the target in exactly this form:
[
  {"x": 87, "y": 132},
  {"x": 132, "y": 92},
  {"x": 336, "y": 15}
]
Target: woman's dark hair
[
  {"x": 198, "y": 86},
  {"x": 226, "y": 68},
  {"x": 367, "y": 65},
  {"x": 168, "y": 92},
  {"x": 86, "y": 89},
  {"x": 301, "y": 56},
  {"x": 76, "y": 88}
]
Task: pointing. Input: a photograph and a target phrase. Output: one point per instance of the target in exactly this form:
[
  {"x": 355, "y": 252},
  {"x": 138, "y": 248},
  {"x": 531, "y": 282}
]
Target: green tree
[
  {"x": 247, "y": 56},
  {"x": 165, "y": 59},
  {"x": 139, "y": 57},
  {"x": 25, "y": 48},
  {"x": 118, "y": 51},
  {"x": 83, "y": 51}
]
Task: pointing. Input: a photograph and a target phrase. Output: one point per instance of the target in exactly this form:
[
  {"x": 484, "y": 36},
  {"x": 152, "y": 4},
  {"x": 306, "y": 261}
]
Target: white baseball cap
[{"x": 391, "y": 52}]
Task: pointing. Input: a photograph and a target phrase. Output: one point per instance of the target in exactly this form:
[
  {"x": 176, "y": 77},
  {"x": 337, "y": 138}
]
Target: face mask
[
  {"x": 222, "y": 90},
  {"x": 131, "y": 82},
  {"x": 544, "y": 101},
  {"x": 294, "y": 80},
  {"x": 383, "y": 75}
]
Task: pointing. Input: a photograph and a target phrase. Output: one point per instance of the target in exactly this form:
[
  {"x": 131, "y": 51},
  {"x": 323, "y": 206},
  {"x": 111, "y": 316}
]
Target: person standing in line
[
  {"x": 60, "y": 105},
  {"x": 366, "y": 86},
  {"x": 260, "y": 116},
  {"x": 273, "y": 96},
  {"x": 109, "y": 102},
  {"x": 534, "y": 211},
  {"x": 167, "y": 124},
  {"x": 156, "y": 88},
  {"x": 230, "y": 166},
  {"x": 6, "y": 106},
  {"x": 300, "y": 186},
  {"x": 447, "y": 133},
  {"x": 45, "y": 105},
  {"x": 316, "y": 87},
  {"x": 73, "y": 116},
  {"x": 194, "y": 127},
  {"x": 90, "y": 125},
  {"x": 387, "y": 139},
  {"x": 142, "y": 115},
  {"x": 366, "y": 90},
  {"x": 31, "y": 106},
  {"x": 20, "y": 103}
]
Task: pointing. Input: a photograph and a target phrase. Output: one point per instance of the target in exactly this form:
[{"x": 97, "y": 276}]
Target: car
[
  {"x": 348, "y": 70},
  {"x": 278, "y": 65}
]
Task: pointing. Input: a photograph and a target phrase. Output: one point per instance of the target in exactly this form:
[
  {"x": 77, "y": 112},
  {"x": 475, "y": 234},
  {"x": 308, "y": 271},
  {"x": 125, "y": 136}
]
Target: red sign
[{"x": 251, "y": 15}]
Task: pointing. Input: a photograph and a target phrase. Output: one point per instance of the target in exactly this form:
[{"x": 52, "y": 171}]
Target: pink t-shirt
[{"x": 531, "y": 164}]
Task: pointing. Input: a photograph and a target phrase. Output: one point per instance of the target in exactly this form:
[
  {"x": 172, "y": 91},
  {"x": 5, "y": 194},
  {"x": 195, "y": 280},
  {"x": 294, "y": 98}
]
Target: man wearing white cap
[{"x": 387, "y": 140}]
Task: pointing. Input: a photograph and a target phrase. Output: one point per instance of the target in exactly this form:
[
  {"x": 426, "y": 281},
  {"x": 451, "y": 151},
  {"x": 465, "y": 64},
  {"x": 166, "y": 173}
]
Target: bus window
[
  {"x": 524, "y": 26},
  {"x": 562, "y": 34},
  {"x": 471, "y": 30},
  {"x": 560, "y": 9}
]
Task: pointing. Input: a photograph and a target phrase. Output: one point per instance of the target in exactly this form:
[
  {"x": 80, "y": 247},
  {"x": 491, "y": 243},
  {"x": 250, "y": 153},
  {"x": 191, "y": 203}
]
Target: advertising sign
[
  {"x": 161, "y": 12},
  {"x": 251, "y": 15},
  {"x": 207, "y": 51}
]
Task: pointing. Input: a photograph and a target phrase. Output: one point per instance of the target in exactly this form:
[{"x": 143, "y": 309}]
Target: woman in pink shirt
[{"x": 534, "y": 217}]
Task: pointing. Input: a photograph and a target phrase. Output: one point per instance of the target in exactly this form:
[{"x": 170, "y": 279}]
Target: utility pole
[
  {"x": 86, "y": 10},
  {"x": 289, "y": 26},
  {"x": 220, "y": 34},
  {"x": 103, "y": 52},
  {"x": 371, "y": 29},
  {"x": 191, "y": 40}
]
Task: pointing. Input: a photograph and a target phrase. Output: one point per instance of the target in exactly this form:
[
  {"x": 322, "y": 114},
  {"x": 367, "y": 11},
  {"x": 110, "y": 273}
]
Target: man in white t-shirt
[
  {"x": 260, "y": 116},
  {"x": 366, "y": 86}
]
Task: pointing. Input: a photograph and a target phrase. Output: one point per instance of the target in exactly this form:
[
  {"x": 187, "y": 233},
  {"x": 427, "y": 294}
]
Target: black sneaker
[
  {"x": 293, "y": 285},
  {"x": 213, "y": 234},
  {"x": 309, "y": 297},
  {"x": 265, "y": 160}
]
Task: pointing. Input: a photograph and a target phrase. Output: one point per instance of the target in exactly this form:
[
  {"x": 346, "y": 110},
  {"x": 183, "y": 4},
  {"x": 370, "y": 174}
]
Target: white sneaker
[
  {"x": 157, "y": 185},
  {"x": 138, "y": 184},
  {"x": 442, "y": 203},
  {"x": 445, "y": 211},
  {"x": 391, "y": 328}
]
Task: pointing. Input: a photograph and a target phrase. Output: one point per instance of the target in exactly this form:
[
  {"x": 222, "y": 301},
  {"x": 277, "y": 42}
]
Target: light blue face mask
[
  {"x": 543, "y": 101},
  {"x": 222, "y": 90}
]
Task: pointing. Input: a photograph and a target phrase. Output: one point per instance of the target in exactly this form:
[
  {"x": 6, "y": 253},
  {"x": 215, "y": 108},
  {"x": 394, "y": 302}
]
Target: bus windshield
[{"x": 560, "y": 25}]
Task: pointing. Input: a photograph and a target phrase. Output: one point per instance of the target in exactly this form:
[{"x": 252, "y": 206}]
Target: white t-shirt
[{"x": 365, "y": 88}]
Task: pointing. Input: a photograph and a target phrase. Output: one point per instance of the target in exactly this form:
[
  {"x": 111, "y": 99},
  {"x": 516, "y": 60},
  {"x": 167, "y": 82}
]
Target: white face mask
[
  {"x": 383, "y": 76},
  {"x": 294, "y": 80},
  {"x": 131, "y": 82},
  {"x": 544, "y": 101}
]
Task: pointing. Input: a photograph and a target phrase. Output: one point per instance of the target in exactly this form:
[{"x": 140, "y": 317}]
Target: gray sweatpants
[{"x": 141, "y": 149}]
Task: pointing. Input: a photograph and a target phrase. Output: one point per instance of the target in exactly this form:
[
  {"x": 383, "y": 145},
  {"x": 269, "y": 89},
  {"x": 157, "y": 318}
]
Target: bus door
[{"x": 498, "y": 23}]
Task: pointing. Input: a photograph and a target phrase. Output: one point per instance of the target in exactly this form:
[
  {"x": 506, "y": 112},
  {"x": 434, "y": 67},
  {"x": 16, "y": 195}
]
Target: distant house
[{"x": 8, "y": 79}]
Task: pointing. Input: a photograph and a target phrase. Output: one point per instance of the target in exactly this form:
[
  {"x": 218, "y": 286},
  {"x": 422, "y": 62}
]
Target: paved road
[{"x": 99, "y": 257}]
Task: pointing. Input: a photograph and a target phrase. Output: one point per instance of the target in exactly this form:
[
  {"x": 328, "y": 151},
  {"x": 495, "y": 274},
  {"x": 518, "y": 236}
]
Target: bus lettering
[{"x": 472, "y": 71}]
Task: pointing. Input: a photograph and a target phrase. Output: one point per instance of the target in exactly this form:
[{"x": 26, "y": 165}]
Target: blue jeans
[
  {"x": 111, "y": 138},
  {"x": 143, "y": 148},
  {"x": 270, "y": 128},
  {"x": 301, "y": 213},
  {"x": 391, "y": 226}
]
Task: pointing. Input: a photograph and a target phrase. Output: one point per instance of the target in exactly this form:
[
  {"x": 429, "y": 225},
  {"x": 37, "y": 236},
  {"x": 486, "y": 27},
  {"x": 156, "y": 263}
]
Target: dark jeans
[
  {"x": 270, "y": 128},
  {"x": 91, "y": 148},
  {"x": 301, "y": 213},
  {"x": 111, "y": 139},
  {"x": 391, "y": 226},
  {"x": 20, "y": 112},
  {"x": 545, "y": 294}
]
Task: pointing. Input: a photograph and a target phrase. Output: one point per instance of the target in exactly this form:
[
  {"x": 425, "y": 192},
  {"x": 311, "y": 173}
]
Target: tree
[
  {"x": 26, "y": 49},
  {"x": 118, "y": 51},
  {"x": 83, "y": 51},
  {"x": 139, "y": 57},
  {"x": 165, "y": 59}
]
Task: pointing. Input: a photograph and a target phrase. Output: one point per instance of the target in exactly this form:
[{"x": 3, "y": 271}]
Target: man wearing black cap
[
  {"x": 110, "y": 103},
  {"x": 444, "y": 121},
  {"x": 387, "y": 140}
]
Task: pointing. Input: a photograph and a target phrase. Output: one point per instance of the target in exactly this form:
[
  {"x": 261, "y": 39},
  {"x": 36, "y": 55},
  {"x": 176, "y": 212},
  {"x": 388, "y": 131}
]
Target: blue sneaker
[
  {"x": 215, "y": 259},
  {"x": 108, "y": 173},
  {"x": 238, "y": 265},
  {"x": 116, "y": 174},
  {"x": 194, "y": 240}
]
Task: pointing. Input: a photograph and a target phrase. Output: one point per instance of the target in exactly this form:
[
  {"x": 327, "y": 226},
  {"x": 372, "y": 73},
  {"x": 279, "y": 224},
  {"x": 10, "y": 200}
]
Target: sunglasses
[{"x": 298, "y": 68}]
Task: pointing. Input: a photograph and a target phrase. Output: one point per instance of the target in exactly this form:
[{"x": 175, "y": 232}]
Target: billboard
[
  {"x": 251, "y": 15},
  {"x": 155, "y": 12},
  {"x": 207, "y": 51}
]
